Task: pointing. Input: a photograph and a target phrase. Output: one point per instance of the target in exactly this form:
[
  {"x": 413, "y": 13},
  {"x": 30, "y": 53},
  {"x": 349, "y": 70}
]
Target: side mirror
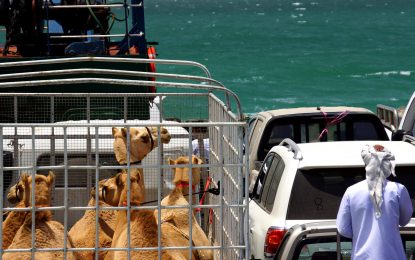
[{"x": 397, "y": 135}]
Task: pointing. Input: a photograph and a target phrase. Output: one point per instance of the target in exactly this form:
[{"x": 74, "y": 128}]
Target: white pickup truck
[{"x": 400, "y": 121}]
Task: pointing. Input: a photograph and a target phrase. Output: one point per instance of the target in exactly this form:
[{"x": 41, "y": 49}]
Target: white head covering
[{"x": 380, "y": 164}]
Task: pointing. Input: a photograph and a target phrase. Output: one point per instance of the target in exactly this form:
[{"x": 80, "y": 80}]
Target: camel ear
[
  {"x": 118, "y": 180},
  {"x": 171, "y": 162},
  {"x": 19, "y": 194},
  {"x": 136, "y": 174},
  {"x": 51, "y": 177},
  {"x": 196, "y": 160},
  {"x": 115, "y": 131},
  {"x": 165, "y": 135},
  {"x": 92, "y": 192},
  {"x": 124, "y": 132}
]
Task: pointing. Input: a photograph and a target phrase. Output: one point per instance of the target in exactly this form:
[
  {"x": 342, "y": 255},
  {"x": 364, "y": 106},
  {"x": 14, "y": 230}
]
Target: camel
[
  {"x": 143, "y": 225},
  {"x": 48, "y": 233},
  {"x": 179, "y": 217},
  {"x": 142, "y": 141},
  {"x": 82, "y": 234}
]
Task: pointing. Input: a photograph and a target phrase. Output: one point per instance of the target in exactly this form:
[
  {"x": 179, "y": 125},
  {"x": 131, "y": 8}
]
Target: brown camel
[
  {"x": 179, "y": 217},
  {"x": 143, "y": 225},
  {"x": 82, "y": 234},
  {"x": 48, "y": 233},
  {"x": 142, "y": 141}
]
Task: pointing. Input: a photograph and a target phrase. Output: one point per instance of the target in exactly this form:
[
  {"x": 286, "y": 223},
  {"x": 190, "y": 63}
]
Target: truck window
[
  {"x": 364, "y": 131},
  {"x": 77, "y": 177},
  {"x": 307, "y": 128},
  {"x": 257, "y": 124}
]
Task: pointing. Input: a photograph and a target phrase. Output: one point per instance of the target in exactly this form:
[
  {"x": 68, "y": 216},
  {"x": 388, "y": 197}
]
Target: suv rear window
[
  {"x": 317, "y": 193},
  {"x": 307, "y": 128}
]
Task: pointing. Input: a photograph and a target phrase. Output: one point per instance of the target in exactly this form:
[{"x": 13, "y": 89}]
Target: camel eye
[{"x": 104, "y": 192}]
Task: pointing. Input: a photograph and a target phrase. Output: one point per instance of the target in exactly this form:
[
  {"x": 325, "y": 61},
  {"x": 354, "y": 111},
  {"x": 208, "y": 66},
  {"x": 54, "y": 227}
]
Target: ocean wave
[
  {"x": 286, "y": 100},
  {"x": 406, "y": 73}
]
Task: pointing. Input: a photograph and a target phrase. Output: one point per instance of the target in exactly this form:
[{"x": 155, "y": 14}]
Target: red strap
[
  {"x": 204, "y": 192},
  {"x": 184, "y": 184},
  {"x": 336, "y": 120}
]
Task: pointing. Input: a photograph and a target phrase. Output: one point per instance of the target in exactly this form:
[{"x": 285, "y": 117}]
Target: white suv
[{"x": 301, "y": 183}]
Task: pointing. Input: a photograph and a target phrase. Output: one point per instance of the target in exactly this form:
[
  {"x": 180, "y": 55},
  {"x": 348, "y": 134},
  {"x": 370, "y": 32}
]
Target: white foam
[
  {"x": 393, "y": 72},
  {"x": 405, "y": 73},
  {"x": 285, "y": 100}
]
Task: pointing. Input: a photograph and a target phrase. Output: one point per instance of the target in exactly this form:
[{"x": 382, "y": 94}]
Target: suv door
[{"x": 262, "y": 201}]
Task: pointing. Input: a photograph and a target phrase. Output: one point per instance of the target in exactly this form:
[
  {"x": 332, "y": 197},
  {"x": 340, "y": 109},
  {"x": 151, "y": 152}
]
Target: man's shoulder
[
  {"x": 395, "y": 185},
  {"x": 357, "y": 187},
  {"x": 359, "y": 184}
]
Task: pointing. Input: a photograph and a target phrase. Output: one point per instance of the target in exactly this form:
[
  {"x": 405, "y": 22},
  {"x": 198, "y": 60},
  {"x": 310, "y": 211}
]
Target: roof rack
[{"x": 292, "y": 146}]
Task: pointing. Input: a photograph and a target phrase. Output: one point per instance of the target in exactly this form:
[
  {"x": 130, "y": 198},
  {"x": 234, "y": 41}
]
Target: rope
[
  {"x": 209, "y": 180},
  {"x": 329, "y": 123}
]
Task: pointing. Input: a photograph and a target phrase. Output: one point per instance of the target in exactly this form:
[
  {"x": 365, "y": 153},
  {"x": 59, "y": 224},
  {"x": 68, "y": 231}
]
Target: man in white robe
[{"x": 372, "y": 210}]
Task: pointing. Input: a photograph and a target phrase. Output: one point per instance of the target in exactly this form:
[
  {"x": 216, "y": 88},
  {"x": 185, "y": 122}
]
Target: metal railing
[
  {"x": 212, "y": 85},
  {"x": 389, "y": 116}
]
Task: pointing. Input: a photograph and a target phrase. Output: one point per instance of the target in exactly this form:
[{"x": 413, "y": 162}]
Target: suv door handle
[{"x": 251, "y": 230}]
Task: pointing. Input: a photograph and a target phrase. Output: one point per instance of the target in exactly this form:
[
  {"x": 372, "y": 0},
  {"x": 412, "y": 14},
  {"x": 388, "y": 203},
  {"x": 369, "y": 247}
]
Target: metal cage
[{"x": 70, "y": 134}]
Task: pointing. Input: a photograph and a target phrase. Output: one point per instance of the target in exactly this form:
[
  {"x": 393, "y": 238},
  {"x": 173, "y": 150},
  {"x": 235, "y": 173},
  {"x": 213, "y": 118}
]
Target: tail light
[{"x": 273, "y": 240}]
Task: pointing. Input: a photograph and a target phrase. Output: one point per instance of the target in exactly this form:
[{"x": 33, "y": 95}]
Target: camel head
[
  {"x": 142, "y": 141},
  {"x": 15, "y": 194},
  {"x": 22, "y": 190},
  {"x": 181, "y": 175},
  {"x": 106, "y": 191},
  {"x": 114, "y": 190}
]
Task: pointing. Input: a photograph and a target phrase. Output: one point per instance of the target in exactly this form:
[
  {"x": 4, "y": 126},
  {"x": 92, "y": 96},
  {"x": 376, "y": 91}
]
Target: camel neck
[
  {"x": 132, "y": 162},
  {"x": 142, "y": 222},
  {"x": 183, "y": 187}
]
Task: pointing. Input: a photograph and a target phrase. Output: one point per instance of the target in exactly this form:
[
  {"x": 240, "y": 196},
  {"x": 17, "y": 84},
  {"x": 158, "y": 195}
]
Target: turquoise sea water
[{"x": 275, "y": 53}]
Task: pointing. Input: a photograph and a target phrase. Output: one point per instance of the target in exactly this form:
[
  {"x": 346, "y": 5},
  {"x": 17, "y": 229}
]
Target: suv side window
[
  {"x": 276, "y": 178},
  {"x": 268, "y": 181},
  {"x": 259, "y": 185}
]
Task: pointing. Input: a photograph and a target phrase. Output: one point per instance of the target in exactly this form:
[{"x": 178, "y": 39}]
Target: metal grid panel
[
  {"x": 227, "y": 156},
  {"x": 81, "y": 154}
]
